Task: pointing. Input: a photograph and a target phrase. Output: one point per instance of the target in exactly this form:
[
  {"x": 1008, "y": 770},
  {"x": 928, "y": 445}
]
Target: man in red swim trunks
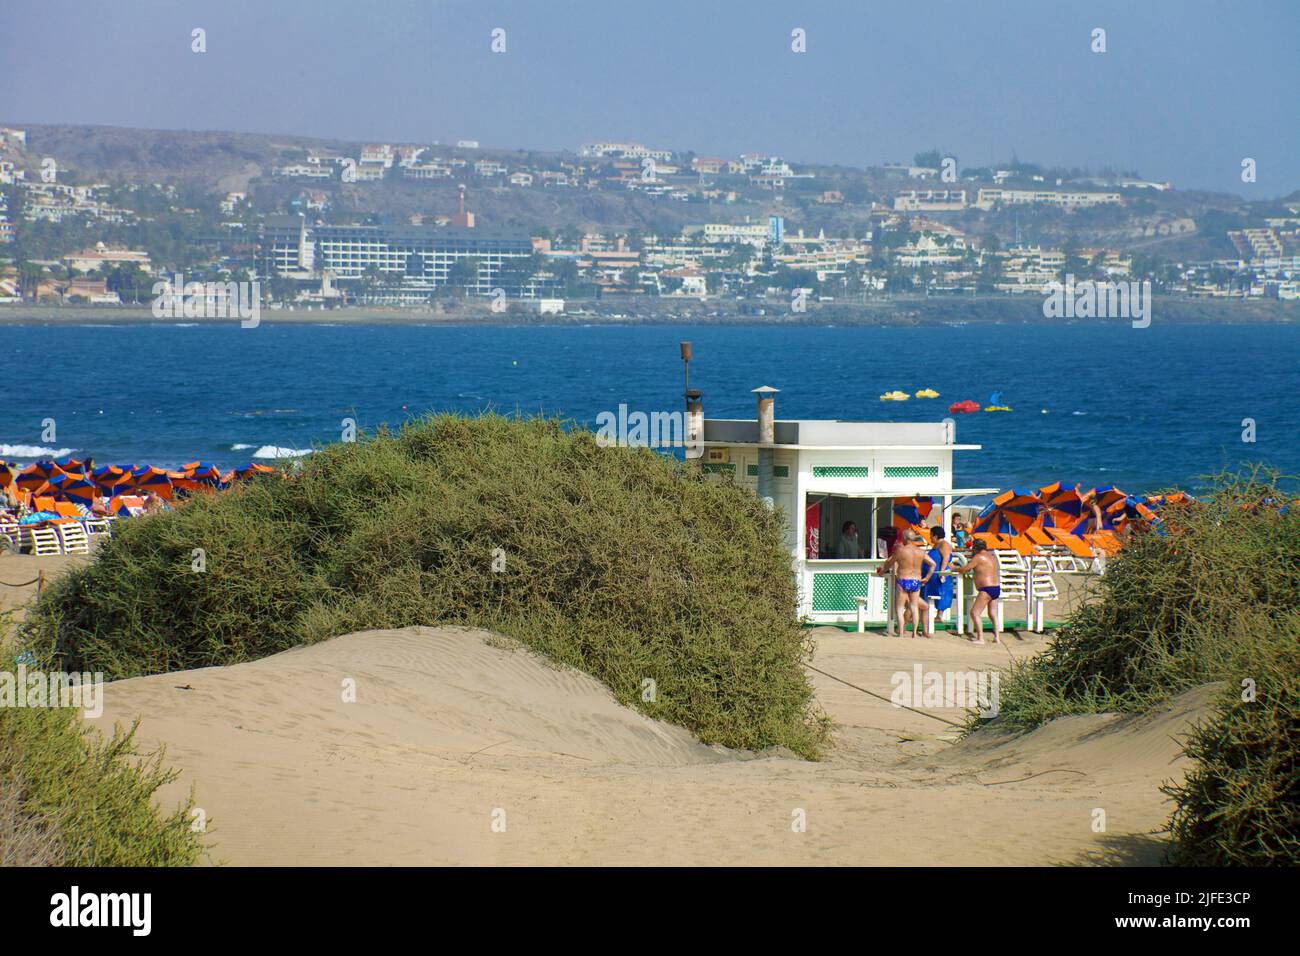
[
  {"x": 988, "y": 584},
  {"x": 907, "y": 562}
]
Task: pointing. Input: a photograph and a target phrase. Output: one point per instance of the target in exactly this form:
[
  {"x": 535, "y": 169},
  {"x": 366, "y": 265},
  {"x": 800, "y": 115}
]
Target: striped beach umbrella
[
  {"x": 252, "y": 469},
  {"x": 78, "y": 489},
  {"x": 108, "y": 474},
  {"x": 36, "y": 474},
  {"x": 1111, "y": 501},
  {"x": 1062, "y": 505},
  {"x": 1011, "y": 512},
  {"x": 205, "y": 474},
  {"x": 155, "y": 481},
  {"x": 912, "y": 512},
  {"x": 1107, "y": 497},
  {"x": 112, "y": 479},
  {"x": 118, "y": 505}
]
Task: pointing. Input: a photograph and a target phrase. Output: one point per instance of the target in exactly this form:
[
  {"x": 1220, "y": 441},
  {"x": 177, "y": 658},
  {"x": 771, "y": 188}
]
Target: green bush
[
  {"x": 1240, "y": 805},
  {"x": 620, "y": 562},
  {"x": 1217, "y": 599},
  {"x": 71, "y": 798}
]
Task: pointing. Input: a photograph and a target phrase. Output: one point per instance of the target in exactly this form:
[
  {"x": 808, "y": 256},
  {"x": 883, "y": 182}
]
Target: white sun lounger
[{"x": 72, "y": 537}]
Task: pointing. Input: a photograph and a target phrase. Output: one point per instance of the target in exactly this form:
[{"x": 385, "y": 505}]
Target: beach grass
[
  {"x": 1215, "y": 600},
  {"x": 71, "y": 797},
  {"x": 671, "y": 588}
]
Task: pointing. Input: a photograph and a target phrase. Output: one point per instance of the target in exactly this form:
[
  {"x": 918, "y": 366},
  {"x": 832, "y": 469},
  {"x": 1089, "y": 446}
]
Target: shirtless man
[
  {"x": 988, "y": 584},
  {"x": 906, "y": 563},
  {"x": 1089, "y": 499}
]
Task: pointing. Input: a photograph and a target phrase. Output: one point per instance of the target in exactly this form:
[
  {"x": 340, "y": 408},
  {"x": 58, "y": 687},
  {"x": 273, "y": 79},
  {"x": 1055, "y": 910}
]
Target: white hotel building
[
  {"x": 1063, "y": 198},
  {"x": 416, "y": 259}
]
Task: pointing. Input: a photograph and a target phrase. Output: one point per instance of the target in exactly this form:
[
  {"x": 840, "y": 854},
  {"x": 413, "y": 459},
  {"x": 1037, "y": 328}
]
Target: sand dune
[{"x": 454, "y": 730}]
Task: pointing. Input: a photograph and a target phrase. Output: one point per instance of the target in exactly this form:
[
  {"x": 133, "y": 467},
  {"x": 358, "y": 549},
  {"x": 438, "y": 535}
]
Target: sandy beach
[
  {"x": 19, "y": 574},
  {"x": 464, "y": 748}
]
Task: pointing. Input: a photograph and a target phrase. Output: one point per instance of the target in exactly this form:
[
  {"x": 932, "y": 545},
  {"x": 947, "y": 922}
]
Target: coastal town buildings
[{"x": 894, "y": 229}]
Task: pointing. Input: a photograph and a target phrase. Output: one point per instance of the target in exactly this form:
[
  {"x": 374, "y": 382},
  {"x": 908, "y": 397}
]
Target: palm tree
[{"x": 29, "y": 277}]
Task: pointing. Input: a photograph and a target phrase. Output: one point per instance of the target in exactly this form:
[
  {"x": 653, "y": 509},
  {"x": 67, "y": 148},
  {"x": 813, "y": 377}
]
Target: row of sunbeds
[
  {"x": 1065, "y": 552},
  {"x": 69, "y": 530}
]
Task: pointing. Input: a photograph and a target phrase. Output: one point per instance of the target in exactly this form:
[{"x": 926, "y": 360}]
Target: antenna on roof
[{"x": 686, "y": 364}]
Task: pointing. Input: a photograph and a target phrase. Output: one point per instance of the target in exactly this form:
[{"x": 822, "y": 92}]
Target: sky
[{"x": 1184, "y": 92}]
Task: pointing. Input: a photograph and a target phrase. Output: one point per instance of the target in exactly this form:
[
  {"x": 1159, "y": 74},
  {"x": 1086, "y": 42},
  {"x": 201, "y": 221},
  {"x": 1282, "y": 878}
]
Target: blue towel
[{"x": 938, "y": 590}]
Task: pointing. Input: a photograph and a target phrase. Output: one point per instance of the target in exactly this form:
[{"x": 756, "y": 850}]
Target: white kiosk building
[{"x": 824, "y": 473}]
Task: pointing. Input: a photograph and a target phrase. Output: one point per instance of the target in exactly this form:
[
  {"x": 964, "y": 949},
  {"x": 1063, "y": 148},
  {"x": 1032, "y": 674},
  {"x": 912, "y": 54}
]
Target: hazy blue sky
[{"x": 1184, "y": 91}]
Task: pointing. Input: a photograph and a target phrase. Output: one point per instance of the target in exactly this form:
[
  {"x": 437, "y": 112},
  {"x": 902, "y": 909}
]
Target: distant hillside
[
  {"x": 1174, "y": 224},
  {"x": 208, "y": 160},
  {"x": 219, "y": 162}
]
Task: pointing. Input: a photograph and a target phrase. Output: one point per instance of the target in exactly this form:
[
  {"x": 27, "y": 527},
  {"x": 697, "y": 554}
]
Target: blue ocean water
[{"x": 1097, "y": 404}]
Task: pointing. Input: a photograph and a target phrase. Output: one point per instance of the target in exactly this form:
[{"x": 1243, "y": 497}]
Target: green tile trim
[
  {"x": 719, "y": 468},
  {"x": 778, "y": 471},
  {"x": 911, "y": 471},
  {"x": 840, "y": 471}
]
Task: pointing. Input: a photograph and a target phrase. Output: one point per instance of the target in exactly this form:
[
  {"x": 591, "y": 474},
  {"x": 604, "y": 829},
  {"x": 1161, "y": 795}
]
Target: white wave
[
  {"x": 240, "y": 447},
  {"x": 273, "y": 451},
  {"x": 33, "y": 451}
]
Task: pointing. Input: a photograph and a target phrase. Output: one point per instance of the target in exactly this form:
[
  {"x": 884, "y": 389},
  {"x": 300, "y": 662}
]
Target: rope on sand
[
  {"x": 943, "y": 720},
  {"x": 998, "y": 783}
]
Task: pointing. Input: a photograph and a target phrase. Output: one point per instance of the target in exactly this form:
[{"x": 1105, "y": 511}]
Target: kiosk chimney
[
  {"x": 766, "y": 439},
  {"x": 694, "y": 437}
]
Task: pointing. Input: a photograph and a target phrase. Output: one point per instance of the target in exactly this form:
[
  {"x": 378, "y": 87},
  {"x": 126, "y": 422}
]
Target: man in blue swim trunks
[
  {"x": 907, "y": 563},
  {"x": 988, "y": 588}
]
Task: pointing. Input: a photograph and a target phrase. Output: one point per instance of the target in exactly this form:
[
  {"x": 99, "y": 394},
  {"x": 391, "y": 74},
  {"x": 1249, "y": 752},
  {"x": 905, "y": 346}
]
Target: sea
[{"x": 1098, "y": 404}]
